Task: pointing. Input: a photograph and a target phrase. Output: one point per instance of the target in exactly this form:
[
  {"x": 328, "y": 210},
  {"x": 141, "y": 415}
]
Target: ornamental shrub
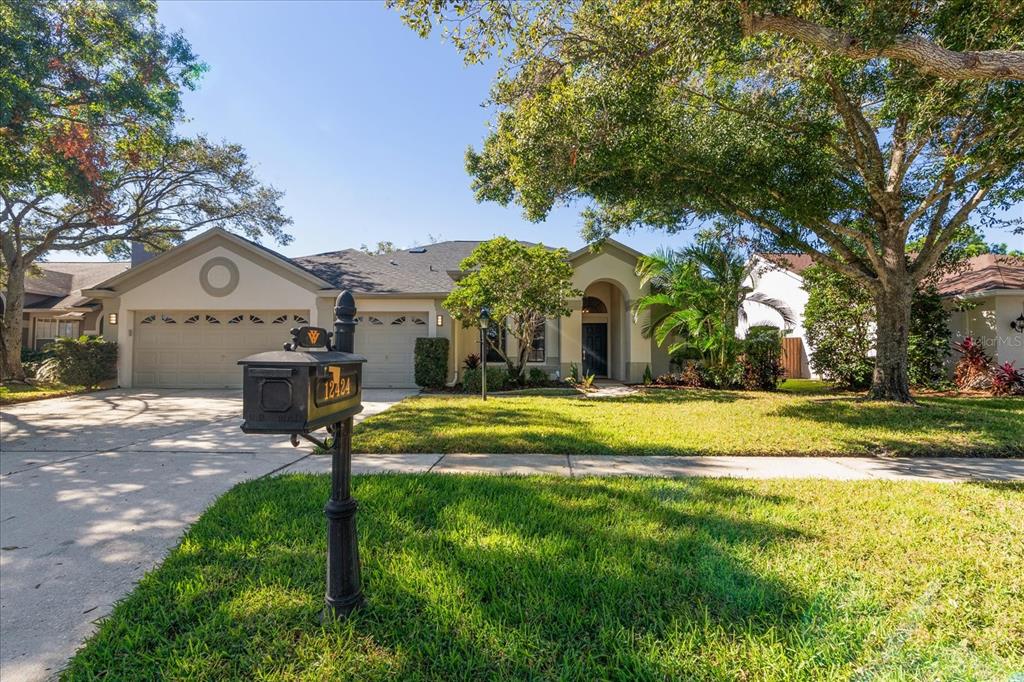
[
  {"x": 85, "y": 361},
  {"x": 648, "y": 377},
  {"x": 762, "y": 358},
  {"x": 839, "y": 319},
  {"x": 974, "y": 368},
  {"x": 1007, "y": 380},
  {"x": 928, "y": 344},
  {"x": 431, "y": 362},
  {"x": 537, "y": 377},
  {"x": 497, "y": 379}
]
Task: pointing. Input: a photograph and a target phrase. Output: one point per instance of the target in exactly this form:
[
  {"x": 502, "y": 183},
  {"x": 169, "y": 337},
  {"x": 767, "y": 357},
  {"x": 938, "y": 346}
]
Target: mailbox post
[
  {"x": 299, "y": 390},
  {"x": 344, "y": 592}
]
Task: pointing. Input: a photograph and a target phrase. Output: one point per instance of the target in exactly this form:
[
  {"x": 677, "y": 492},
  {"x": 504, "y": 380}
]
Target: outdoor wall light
[
  {"x": 112, "y": 318},
  {"x": 440, "y": 320},
  {"x": 1018, "y": 324}
]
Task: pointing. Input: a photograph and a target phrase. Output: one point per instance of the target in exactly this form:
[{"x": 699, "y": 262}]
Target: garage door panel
[
  {"x": 388, "y": 348},
  {"x": 201, "y": 349}
]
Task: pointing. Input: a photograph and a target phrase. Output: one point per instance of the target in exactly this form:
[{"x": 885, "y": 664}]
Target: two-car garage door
[{"x": 200, "y": 349}]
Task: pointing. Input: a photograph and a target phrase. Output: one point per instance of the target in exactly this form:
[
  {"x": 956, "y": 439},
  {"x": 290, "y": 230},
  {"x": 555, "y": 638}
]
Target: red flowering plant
[
  {"x": 973, "y": 369},
  {"x": 1007, "y": 380}
]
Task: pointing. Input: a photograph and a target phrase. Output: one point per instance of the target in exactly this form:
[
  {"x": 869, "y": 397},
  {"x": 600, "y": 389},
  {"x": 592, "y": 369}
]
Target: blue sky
[{"x": 361, "y": 122}]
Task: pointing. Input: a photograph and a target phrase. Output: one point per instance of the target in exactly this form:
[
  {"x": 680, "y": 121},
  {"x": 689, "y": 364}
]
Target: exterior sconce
[
  {"x": 440, "y": 320},
  {"x": 112, "y": 318},
  {"x": 1018, "y": 324}
]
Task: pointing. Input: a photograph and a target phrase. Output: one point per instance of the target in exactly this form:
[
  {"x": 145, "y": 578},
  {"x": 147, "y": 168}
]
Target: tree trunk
[
  {"x": 10, "y": 360},
  {"x": 892, "y": 313}
]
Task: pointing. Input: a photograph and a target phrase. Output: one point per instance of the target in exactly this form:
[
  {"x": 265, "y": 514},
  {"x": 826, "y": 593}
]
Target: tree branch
[{"x": 929, "y": 57}]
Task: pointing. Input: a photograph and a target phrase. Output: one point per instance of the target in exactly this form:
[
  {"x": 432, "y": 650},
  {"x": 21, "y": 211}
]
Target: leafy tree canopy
[
  {"x": 841, "y": 129},
  {"x": 519, "y": 284},
  {"x": 90, "y": 94}
]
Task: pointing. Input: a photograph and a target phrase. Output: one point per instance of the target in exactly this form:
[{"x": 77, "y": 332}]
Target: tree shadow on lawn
[
  {"x": 473, "y": 578},
  {"x": 997, "y": 425}
]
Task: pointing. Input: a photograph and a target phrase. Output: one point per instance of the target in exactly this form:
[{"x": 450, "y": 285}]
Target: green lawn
[
  {"x": 23, "y": 393},
  {"x": 803, "y": 420},
  {"x": 471, "y": 578}
]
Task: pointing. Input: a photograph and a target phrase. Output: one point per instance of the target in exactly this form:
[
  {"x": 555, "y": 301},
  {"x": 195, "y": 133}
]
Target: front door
[{"x": 595, "y": 348}]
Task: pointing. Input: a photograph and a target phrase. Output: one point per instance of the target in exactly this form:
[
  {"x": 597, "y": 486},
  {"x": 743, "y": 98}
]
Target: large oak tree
[
  {"x": 89, "y": 156},
  {"x": 844, "y": 130}
]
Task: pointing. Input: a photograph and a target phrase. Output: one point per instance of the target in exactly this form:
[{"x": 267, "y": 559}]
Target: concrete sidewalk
[{"x": 936, "y": 469}]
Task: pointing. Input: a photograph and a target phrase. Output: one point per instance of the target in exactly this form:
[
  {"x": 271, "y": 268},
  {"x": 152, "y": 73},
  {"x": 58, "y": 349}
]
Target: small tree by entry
[{"x": 521, "y": 285}]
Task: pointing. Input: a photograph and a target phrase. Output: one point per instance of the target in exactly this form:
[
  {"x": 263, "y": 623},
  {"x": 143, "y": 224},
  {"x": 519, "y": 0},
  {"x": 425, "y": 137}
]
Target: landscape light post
[{"x": 485, "y": 323}]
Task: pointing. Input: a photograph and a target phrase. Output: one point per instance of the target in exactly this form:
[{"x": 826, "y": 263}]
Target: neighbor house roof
[
  {"x": 794, "y": 262},
  {"x": 988, "y": 272},
  {"x": 58, "y": 285}
]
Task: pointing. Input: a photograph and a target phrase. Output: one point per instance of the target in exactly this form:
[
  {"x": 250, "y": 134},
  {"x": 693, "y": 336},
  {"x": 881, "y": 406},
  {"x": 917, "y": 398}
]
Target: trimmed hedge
[
  {"x": 497, "y": 379},
  {"x": 762, "y": 358},
  {"x": 431, "y": 362},
  {"x": 85, "y": 361}
]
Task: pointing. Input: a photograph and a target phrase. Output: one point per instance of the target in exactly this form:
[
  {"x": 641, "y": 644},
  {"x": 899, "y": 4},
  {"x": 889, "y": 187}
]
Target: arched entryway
[{"x": 604, "y": 332}]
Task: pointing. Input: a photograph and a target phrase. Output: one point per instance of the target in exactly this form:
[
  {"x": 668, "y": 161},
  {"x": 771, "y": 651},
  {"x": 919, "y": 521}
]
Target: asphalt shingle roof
[
  {"x": 62, "y": 282},
  {"x": 985, "y": 273},
  {"x": 419, "y": 270}
]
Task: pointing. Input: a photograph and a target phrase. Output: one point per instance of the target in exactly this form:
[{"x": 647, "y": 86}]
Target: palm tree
[{"x": 697, "y": 297}]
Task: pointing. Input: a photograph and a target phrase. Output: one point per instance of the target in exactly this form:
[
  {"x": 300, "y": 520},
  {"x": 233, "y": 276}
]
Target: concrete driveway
[{"x": 95, "y": 489}]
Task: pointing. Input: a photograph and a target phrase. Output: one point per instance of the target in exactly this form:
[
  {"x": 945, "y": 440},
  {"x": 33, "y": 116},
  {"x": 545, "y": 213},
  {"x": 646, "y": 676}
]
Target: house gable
[{"x": 216, "y": 238}]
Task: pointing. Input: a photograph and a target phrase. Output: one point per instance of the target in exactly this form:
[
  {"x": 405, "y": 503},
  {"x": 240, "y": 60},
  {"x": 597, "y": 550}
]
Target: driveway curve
[{"x": 96, "y": 488}]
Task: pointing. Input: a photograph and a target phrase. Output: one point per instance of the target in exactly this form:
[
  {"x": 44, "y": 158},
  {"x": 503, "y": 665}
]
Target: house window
[
  {"x": 592, "y": 304},
  {"x": 50, "y": 328},
  {"x": 536, "y": 353},
  {"x": 300, "y": 319},
  {"x": 398, "y": 320}
]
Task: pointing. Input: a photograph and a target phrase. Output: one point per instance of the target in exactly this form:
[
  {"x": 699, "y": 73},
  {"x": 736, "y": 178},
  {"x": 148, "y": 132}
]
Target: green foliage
[
  {"x": 665, "y": 114},
  {"x": 697, "y": 298},
  {"x": 85, "y": 361},
  {"x": 648, "y": 377},
  {"x": 838, "y": 321},
  {"x": 498, "y": 379},
  {"x": 839, "y": 318},
  {"x": 520, "y": 285},
  {"x": 928, "y": 346},
  {"x": 431, "y": 362},
  {"x": 762, "y": 358},
  {"x": 537, "y": 377},
  {"x": 90, "y": 96}
]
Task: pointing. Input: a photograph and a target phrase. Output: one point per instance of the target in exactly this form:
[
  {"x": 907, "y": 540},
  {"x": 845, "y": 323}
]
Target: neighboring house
[
  {"x": 185, "y": 317},
  {"x": 778, "y": 276},
  {"x": 55, "y": 306},
  {"x": 984, "y": 300}
]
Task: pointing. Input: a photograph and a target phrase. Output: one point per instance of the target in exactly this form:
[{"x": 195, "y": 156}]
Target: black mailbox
[{"x": 299, "y": 391}]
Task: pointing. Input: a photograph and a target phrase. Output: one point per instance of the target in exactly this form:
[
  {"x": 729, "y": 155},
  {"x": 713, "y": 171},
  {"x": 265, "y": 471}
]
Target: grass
[
  {"x": 470, "y": 578},
  {"x": 22, "y": 393},
  {"x": 800, "y": 420}
]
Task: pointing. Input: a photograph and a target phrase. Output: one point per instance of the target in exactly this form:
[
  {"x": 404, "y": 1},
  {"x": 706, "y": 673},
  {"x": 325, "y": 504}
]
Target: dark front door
[{"x": 595, "y": 348}]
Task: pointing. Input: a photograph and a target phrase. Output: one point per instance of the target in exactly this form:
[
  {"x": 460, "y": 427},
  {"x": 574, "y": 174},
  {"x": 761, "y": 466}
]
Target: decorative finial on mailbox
[{"x": 345, "y": 322}]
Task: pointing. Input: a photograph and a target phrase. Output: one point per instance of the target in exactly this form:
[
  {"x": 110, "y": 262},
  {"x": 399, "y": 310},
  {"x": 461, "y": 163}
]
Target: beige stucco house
[{"x": 185, "y": 317}]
